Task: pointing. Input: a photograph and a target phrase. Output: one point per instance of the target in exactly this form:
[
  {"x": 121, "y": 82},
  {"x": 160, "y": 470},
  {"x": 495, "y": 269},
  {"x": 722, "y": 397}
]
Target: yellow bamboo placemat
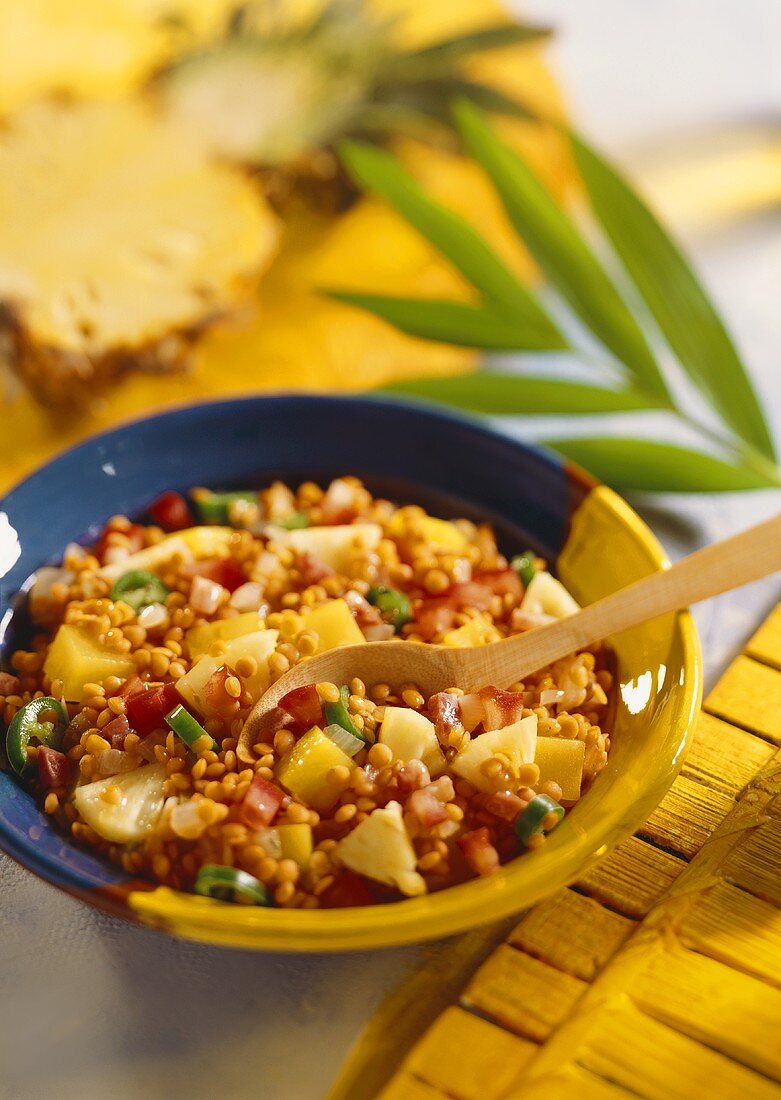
[{"x": 658, "y": 975}]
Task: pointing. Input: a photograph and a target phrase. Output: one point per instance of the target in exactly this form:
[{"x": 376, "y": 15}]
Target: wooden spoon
[{"x": 718, "y": 568}]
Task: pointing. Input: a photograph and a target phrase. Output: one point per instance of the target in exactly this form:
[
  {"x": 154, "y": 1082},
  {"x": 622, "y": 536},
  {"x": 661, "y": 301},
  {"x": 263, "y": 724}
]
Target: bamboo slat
[{"x": 658, "y": 975}]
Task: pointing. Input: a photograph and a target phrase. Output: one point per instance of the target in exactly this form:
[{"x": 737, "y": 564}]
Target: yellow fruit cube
[
  {"x": 334, "y": 624},
  {"x": 561, "y": 760},
  {"x": 335, "y": 545},
  {"x": 478, "y": 631},
  {"x": 381, "y": 849},
  {"x": 201, "y": 638},
  {"x": 440, "y": 534},
  {"x": 195, "y": 542},
  {"x": 259, "y": 645},
  {"x": 516, "y": 742},
  {"x": 545, "y": 595},
  {"x": 77, "y": 658},
  {"x": 303, "y": 771},
  {"x": 295, "y": 842},
  {"x": 205, "y": 541},
  {"x": 410, "y": 736},
  {"x": 128, "y": 821}
]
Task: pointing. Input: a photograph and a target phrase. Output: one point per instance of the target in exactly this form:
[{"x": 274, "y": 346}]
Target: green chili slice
[
  {"x": 524, "y": 566},
  {"x": 530, "y": 821},
  {"x": 215, "y": 507},
  {"x": 294, "y": 522},
  {"x": 188, "y": 728},
  {"x": 138, "y": 589},
  {"x": 338, "y": 714},
  {"x": 393, "y": 605},
  {"x": 25, "y": 726},
  {"x": 230, "y": 884}
]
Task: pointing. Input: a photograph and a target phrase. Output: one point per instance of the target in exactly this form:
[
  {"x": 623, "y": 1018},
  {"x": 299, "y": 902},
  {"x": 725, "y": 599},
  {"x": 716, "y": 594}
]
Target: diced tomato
[
  {"x": 479, "y": 852},
  {"x": 445, "y": 714},
  {"x": 303, "y": 705},
  {"x": 312, "y": 570},
  {"x": 171, "y": 512},
  {"x": 216, "y": 699},
  {"x": 132, "y": 686},
  {"x": 261, "y": 803},
  {"x": 146, "y": 710},
  {"x": 347, "y": 890},
  {"x": 116, "y": 731},
  {"x": 502, "y": 582},
  {"x": 222, "y": 571},
  {"x": 54, "y": 768},
  {"x": 135, "y": 535},
  {"x": 427, "y": 808},
  {"x": 9, "y": 684},
  {"x": 501, "y": 708}
]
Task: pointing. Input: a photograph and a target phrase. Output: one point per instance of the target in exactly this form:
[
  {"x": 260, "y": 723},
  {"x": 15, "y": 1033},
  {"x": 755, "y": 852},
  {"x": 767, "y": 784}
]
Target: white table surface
[{"x": 91, "y": 1007}]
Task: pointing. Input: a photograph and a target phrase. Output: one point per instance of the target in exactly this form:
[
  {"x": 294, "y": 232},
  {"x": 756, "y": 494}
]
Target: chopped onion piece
[
  {"x": 205, "y": 595},
  {"x": 153, "y": 616},
  {"x": 248, "y": 597},
  {"x": 344, "y": 740}
]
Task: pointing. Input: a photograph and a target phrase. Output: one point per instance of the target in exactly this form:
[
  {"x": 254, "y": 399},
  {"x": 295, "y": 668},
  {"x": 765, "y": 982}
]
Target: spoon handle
[{"x": 717, "y": 568}]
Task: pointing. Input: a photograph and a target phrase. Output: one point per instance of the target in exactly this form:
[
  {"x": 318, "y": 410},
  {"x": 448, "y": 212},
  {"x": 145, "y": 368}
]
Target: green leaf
[
  {"x": 559, "y": 249},
  {"x": 455, "y": 238},
  {"x": 448, "y": 322},
  {"x": 450, "y": 50},
  {"x": 519, "y": 395},
  {"x": 675, "y": 297},
  {"x": 643, "y": 464}
]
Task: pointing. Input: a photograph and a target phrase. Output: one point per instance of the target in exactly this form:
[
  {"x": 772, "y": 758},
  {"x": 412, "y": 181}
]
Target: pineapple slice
[
  {"x": 562, "y": 761},
  {"x": 380, "y": 849},
  {"x": 334, "y": 625},
  {"x": 195, "y": 542},
  {"x": 440, "y": 534},
  {"x": 77, "y": 658},
  {"x": 295, "y": 842},
  {"x": 303, "y": 771},
  {"x": 131, "y": 819},
  {"x": 200, "y": 639},
  {"x": 478, "y": 631},
  {"x": 259, "y": 645},
  {"x": 335, "y": 546},
  {"x": 120, "y": 241},
  {"x": 410, "y": 736},
  {"x": 545, "y": 595},
  {"x": 516, "y": 742}
]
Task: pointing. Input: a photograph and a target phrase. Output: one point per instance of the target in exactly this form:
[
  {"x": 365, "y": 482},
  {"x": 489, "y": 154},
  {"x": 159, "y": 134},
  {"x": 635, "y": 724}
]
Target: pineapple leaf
[
  {"x": 649, "y": 466},
  {"x": 498, "y": 394},
  {"x": 436, "y": 97},
  {"x": 560, "y": 250},
  {"x": 455, "y": 239},
  {"x": 471, "y": 326},
  {"x": 447, "y": 52},
  {"x": 673, "y": 294}
]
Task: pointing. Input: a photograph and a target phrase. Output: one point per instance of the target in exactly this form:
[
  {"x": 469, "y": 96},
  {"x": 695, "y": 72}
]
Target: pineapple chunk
[
  {"x": 478, "y": 631},
  {"x": 440, "y": 534},
  {"x": 77, "y": 658},
  {"x": 295, "y": 843},
  {"x": 380, "y": 849},
  {"x": 131, "y": 819},
  {"x": 201, "y": 638},
  {"x": 303, "y": 771},
  {"x": 334, "y": 546},
  {"x": 410, "y": 736},
  {"x": 516, "y": 742},
  {"x": 195, "y": 542},
  {"x": 121, "y": 240},
  {"x": 334, "y": 625},
  {"x": 258, "y": 645},
  {"x": 545, "y": 595},
  {"x": 562, "y": 761}
]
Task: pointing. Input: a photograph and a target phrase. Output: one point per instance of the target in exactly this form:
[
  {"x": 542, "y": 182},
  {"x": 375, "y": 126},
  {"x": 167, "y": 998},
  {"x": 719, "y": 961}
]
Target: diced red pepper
[
  {"x": 171, "y": 511},
  {"x": 501, "y": 708},
  {"x": 479, "y": 852},
  {"x": 347, "y": 890},
  {"x": 216, "y": 699},
  {"x": 261, "y": 803},
  {"x": 445, "y": 714},
  {"x": 146, "y": 710},
  {"x": 54, "y": 768},
  {"x": 135, "y": 534},
  {"x": 303, "y": 705},
  {"x": 134, "y": 685},
  {"x": 222, "y": 571},
  {"x": 116, "y": 731}
]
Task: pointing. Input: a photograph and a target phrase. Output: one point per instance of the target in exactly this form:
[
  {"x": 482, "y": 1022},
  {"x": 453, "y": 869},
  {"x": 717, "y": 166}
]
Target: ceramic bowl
[{"x": 451, "y": 465}]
